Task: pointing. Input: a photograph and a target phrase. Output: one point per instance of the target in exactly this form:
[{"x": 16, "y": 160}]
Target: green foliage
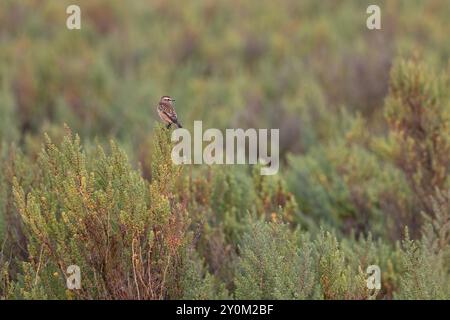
[
  {"x": 418, "y": 113},
  {"x": 426, "y": 264},
  {"x": 423, "y": 276},
  {"x": 129, "y": 238},
  {"x": 364, "y": 150},
  {"x": 275, "y": 264},
  {"x": 137, "y": 239},
  {"x": 366, "y": 182},
  {"x": 337, "y": 278}
]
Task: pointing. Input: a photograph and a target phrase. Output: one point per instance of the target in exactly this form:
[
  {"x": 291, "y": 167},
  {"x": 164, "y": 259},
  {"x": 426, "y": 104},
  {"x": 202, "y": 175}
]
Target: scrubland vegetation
[{"x": 86, "y": 176}]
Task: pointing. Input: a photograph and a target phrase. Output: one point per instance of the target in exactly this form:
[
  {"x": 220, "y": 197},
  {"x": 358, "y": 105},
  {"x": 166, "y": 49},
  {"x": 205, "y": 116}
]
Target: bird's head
[{"x": 166, "y": 99}]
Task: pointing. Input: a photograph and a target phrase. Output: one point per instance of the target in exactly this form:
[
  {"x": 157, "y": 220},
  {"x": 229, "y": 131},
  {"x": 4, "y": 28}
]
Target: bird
[{"x": 167, "y": 113}]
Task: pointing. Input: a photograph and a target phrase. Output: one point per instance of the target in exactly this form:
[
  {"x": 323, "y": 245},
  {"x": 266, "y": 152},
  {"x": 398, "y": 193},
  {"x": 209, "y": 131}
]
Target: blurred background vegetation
[{"x": 364, "y": 136}]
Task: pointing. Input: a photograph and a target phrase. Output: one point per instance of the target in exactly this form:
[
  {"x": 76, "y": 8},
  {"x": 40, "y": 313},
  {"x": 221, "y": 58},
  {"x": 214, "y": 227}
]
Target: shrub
[
  {"x": 426, "y": 264},
  {"x": 140, "y": 227},
  {"x": 275, "y": 264},
  {"x": 417, "y": 110},
  {"x": 128, "y": 237}
]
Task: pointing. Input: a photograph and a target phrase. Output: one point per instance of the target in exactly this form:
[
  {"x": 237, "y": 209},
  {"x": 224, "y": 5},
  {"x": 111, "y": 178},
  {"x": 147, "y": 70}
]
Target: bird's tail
[{"x": 178, "y": 124}]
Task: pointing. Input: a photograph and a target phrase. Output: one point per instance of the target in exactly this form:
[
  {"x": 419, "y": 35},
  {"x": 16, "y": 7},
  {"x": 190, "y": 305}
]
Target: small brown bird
[{"x": 167, "y": 112}]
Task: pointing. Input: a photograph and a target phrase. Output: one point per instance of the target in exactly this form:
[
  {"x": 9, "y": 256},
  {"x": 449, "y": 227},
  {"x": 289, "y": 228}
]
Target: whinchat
[{"x": 167, "y": 112}]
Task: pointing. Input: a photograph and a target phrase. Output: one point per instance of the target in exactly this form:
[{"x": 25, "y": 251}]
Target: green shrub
[
  {"x": 275, "y": 263},
  {"x": 417, "y": 110},
  {"x": 350, "y": 179},
  {"x": 128, "y": 237},
  {"x": 426, "y": 264}
]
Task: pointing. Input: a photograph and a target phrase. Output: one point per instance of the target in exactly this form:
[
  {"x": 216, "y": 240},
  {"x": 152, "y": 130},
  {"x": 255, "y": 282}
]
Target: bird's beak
[{"x": 172, "y": 100}]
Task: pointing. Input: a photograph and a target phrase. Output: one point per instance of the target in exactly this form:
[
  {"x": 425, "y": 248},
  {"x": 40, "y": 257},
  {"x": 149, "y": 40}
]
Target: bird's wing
[{"x": 169, "y": 112}]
